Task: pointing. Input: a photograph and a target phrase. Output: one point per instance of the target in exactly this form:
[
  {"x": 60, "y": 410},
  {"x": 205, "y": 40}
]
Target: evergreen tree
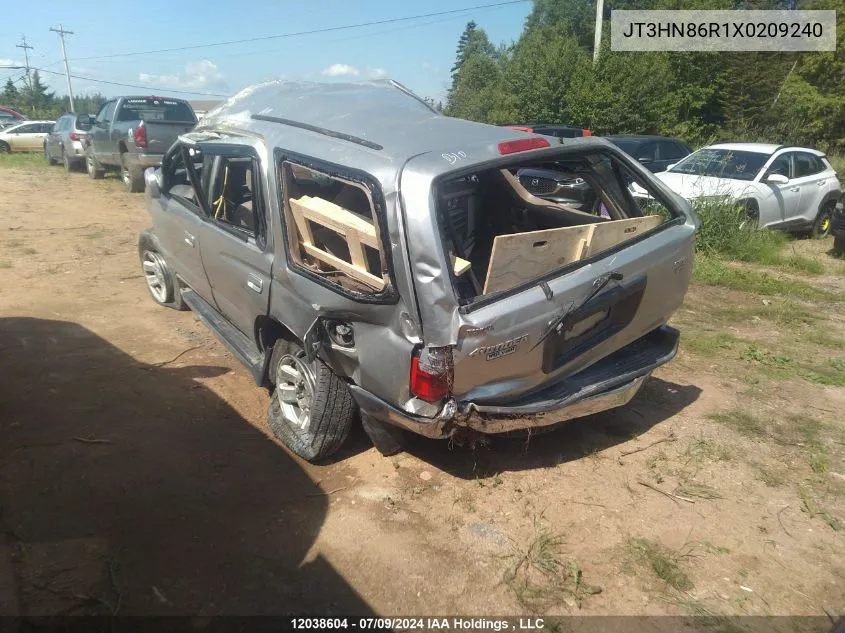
[
  {"x": 10, "y": 94},
  {"x": 34, "y": 95}
]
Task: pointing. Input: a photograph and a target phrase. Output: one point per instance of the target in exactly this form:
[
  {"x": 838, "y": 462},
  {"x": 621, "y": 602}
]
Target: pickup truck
[{"x": 132, "y": 133}]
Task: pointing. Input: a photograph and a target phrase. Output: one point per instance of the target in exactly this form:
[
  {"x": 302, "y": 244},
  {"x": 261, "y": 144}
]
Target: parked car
[
  {"x": 656, "y": 153},
  {"x": 10, "y": 117},
  {"x": 65, "y": 142},
  {"x": 837, "y": 226},
  {"x": 132, "y": 133},
  {"x": 24, "y": 137},
  {"x": 360, "y": 252},
  {"x": 789, "y": 188},
  {"x": 551, "y": 129}
]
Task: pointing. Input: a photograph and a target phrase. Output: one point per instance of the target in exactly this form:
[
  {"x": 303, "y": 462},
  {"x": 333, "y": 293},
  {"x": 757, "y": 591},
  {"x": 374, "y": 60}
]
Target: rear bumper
[
  {"x": 610, "y": 383},
  {"x": 143, "y": 160}
]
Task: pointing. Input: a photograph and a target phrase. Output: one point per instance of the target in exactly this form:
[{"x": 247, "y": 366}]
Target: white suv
[{"x": 790, "y": 188}]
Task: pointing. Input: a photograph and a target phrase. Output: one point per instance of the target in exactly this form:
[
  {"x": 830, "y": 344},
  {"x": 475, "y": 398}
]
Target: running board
[{"x": 237, "y": 342}]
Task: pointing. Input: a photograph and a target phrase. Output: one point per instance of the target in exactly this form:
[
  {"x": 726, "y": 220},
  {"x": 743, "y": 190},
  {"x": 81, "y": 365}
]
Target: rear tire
[
  {"x": 311, "y": 410},
  {"x": 821, "y": 227},
  {"x": 95, "y": 170},
  {"x": 839, "y": 245},
  {"x": 133, "y": 177},
  {"x": 70, "y": 165},
  {"x": 161, "y": 282},
  {"x": 4, "y": 148}
]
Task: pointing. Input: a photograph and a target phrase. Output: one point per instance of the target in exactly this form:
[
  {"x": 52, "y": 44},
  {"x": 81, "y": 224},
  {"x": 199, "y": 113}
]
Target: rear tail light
[
  {"x": 139, "y": 135},
  {"x": 76, "y": 136},
  {"x": 586, "y": 133},
  {"x": 523, "y": 145},
  {"x": 431, "y": 373}
]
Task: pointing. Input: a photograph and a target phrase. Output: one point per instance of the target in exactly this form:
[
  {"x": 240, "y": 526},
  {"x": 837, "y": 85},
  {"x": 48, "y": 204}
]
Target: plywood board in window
[
  {"x": 521, "y": 257},
  {"x": 356, "y": 230},
  {"x": 609, "y": 234}
]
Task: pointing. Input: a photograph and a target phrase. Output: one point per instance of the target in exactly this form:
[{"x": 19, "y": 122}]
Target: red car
[{"x": 10, "y": 117}]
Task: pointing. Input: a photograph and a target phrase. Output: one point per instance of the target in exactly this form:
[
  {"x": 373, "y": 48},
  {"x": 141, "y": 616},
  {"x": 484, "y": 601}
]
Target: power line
[
  {"x": 62, "y": 34},
  {"x": 115, "y": 83},
  {"x": 309, "y": 32}
]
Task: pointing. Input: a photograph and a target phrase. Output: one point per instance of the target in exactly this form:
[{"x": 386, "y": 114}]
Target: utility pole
[
  {"x": 26, "y": 47},
  {"x": 599, "y": 18},
  {"x": 62, "y": 34}
]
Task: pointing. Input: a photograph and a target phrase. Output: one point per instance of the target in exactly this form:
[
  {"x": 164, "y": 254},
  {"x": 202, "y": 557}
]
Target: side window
[
  {"x": 105, "y": 113},
  {"x": 806, "y": 164},
  {"x": 235, "y": 196},
  {"x": 669, "y": 150},
  {"x": 781, "y": 166},
  {"x": 27, "y": 129},
  {"x": 182, "y": 169},
  {"x": 333, "y": 230},
  {"x": 649, "y": 150},
  {"x": 47, "y": 127}
]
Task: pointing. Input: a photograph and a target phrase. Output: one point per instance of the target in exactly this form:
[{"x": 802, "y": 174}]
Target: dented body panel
[{"x": 504, "y": 376}]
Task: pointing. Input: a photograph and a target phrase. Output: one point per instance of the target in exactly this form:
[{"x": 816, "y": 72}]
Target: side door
[
  {"x": 810, "y": 176},
  {"x": 782, "y": 199},
  {"x": 179, "y": 215},
  {"x": 44, "y": 130},
  {"x": 99, "y": 133},
  {"x": 28, "y": 138},
  {"x": 237, "y": 248},
  {"x": 53, "y": 139}
]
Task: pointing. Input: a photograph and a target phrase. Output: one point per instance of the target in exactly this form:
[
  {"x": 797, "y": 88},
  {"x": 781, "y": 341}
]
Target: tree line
[
  {"x": 548, "y": 76},
  {"x": 35, "y": 101}
]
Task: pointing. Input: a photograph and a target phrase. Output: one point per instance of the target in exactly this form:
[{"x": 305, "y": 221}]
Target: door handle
[
  {"x": 189, "y": 239},
  {"x": 254, "y": 282},
  {"x": 795, "y": 188},
  {"x": 821, "y": 182}
]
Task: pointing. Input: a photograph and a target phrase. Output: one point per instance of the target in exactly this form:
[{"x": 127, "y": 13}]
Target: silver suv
[{"x": 361, "y": 253}]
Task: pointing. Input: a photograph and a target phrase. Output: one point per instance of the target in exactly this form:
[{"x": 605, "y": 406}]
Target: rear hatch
[{"x": 545, "y": 304}]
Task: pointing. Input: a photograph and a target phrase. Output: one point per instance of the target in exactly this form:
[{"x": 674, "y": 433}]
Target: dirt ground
[{"x": 137, "y": 474}]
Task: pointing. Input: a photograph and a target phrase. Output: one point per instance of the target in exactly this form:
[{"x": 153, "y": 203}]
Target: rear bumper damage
[{"x": 610, "y": 383}]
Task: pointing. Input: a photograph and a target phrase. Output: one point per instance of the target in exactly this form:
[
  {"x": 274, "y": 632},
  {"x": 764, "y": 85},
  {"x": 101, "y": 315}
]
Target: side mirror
[
  {"x": 777, "y": 179},
  {"x": 152, "y": 180},
  {"x": 645, "y": 160},
  {"x": 669, "y": 167}
]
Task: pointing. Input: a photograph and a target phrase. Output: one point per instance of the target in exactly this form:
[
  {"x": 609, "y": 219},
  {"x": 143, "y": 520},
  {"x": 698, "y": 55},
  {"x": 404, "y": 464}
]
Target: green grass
[
  {"x": 708, "y": 343},
  {"x": 33, "y": 160},
  {"x": 742, "y": 422},
  {"x": 780, "y": 312},
  {"x": 5, "y": 263},
  {"x": 714, "y": 272},
  {"x": 538, "y": 576},
  {"x": 726, "y": 234},
  {"x": 663, "y": 563}
]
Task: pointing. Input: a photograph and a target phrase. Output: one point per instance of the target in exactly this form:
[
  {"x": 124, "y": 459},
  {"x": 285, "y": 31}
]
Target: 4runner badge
[{"x": 499, "y": 350}]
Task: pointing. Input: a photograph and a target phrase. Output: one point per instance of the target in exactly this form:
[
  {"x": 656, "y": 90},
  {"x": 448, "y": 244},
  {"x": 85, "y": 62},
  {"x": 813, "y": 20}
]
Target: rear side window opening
[
  {"x": 334, "y": 232},
  {"x": 506, "y": 226}
]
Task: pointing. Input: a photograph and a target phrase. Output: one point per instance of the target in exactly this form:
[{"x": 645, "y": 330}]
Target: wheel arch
[
  {"x": 830, "y": 196},
  {"x": 267, "y": 330}
]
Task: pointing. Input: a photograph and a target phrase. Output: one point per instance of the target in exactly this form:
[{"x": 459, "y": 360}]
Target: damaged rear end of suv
[{"x": 392, "y": 262}]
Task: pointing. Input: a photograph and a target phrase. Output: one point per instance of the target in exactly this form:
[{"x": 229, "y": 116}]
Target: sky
[{"x": 419, "y": 53}]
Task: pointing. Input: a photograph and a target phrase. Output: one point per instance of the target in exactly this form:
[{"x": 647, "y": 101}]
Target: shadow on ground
[
  {"x": 657, "y": 401},
  {"x": 132, "y": 487}
]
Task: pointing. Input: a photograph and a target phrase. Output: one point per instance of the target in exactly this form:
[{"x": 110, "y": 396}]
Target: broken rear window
[
  {"x": 543, "y": 215},
  {"x": 333, "y": 230}
]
